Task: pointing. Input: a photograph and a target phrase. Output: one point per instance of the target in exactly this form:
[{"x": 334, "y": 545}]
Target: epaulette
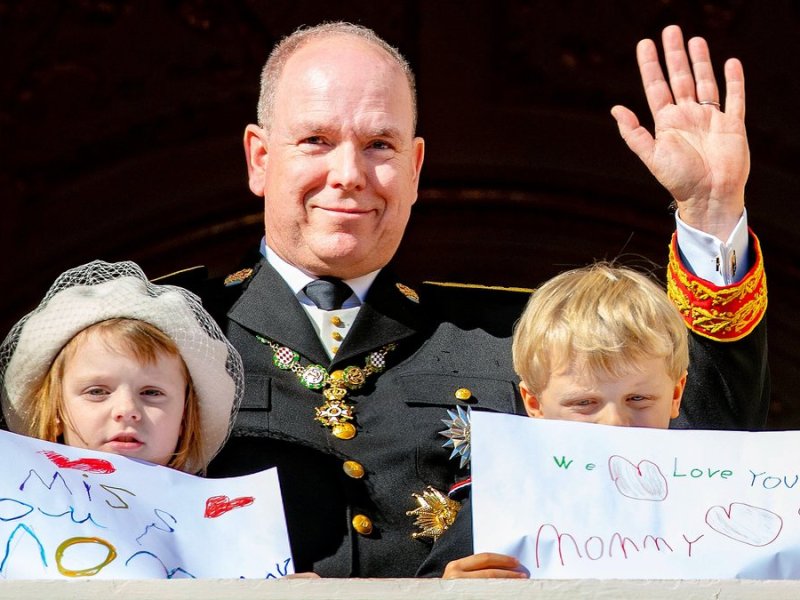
[
  {"x": 223, "y": 292},
  {"x": 721, "y": 313},
  {"x": 217, "y": 294}
]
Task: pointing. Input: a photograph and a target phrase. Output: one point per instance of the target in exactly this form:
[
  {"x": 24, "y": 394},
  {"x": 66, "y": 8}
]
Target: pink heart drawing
[
  {"x": 219, "y": 505},
  {"x": 643, "y": 481},
  {"x": 744, "y": 523}
]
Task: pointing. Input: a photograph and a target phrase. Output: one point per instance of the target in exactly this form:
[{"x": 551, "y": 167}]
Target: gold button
[
  {"x": 344, "y": 431},
  {"x": 362, "y": 524},
  {"x": 353, "y": 469},
  {"x": 337, "y": 336},
  {"x": 334, "y": 350},
  {"x": 336, "y": 322},
  {"x": 463, "y": 394}
]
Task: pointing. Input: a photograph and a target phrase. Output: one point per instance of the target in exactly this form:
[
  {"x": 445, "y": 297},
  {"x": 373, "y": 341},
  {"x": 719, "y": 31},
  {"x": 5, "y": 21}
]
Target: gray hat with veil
[{"x": 99, "y": 291}]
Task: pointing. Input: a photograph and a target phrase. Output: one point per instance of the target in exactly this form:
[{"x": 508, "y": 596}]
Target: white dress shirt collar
[{"x": 298, "y": 279}]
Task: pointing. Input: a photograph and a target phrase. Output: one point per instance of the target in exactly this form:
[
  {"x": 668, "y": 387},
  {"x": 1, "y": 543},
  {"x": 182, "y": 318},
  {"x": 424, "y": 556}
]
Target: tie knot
[{"x": 328, "y": 293}]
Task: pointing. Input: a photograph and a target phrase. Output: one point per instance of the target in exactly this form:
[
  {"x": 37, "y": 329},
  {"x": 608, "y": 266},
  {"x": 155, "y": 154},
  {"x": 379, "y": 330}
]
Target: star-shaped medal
[{"x": 458, "y": 433}]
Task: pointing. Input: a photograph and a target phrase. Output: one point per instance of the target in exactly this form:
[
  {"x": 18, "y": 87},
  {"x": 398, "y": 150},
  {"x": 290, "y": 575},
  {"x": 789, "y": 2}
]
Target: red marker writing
[{"x": 90, "y": 465}]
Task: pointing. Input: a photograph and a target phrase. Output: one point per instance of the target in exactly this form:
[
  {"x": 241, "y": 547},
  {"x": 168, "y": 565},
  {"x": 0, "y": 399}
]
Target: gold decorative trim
[
  {"x": 722, "y": 313},
  {"x": 476, "y": 286}
]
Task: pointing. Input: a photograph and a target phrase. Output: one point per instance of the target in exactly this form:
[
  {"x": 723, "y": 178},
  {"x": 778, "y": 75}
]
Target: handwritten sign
[
  {"x": 576, "y": 500},
  {"x": 72, "y": 513}
]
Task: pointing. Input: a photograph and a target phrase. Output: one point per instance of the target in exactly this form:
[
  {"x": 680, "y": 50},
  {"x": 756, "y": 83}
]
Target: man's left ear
[{"x": 677, "y": 394}]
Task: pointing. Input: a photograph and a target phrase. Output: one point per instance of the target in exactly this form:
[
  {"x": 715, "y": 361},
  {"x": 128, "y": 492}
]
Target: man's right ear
[
  {"x": 532, "y": 406},
  {"x": 255, "y": 151}
]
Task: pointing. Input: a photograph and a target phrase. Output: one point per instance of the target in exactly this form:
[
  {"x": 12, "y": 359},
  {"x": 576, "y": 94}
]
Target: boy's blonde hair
[
  {"x": 606, "y": 317},
  {"x": 144, "y": 342}
]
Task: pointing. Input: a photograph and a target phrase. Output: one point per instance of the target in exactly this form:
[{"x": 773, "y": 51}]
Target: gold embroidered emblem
[
  {"x": 408, "y": 292},
  {"x": 238, "y": 277},
  {"x": 434, "y": 514}
]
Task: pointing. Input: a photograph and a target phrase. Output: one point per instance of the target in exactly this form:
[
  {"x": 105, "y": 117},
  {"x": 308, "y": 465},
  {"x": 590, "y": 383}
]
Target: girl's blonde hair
[
  {"x": 608, "y": 318},
  {"x": 145, "y": 342}
]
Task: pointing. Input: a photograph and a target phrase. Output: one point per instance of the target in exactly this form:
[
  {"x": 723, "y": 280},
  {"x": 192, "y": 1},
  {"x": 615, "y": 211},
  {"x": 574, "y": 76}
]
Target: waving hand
[{"x": 699, "y": 152}]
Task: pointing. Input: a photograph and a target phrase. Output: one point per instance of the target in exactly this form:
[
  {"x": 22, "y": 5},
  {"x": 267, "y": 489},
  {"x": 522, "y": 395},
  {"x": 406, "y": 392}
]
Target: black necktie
[{"x": 328, "y": 293}]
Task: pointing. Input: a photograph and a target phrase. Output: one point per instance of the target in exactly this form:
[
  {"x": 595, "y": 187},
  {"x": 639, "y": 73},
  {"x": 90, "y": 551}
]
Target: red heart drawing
[
  {"x": 744, "y": 523},
  {"x": 642, "y": 481},
  {"x": 219, "y": 505},
  {"x": 90, "y": 465}
]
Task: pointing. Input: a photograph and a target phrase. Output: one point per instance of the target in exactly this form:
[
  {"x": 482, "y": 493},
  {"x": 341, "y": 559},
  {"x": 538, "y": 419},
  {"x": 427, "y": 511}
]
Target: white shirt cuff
[{"x": 708, "y": 257}]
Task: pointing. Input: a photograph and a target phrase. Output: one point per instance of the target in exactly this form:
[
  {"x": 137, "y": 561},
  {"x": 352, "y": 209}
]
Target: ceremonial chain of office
[{"x": 334, "y": 413}]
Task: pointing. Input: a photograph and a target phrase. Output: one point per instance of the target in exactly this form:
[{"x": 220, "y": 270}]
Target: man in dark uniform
[{"x": 348, "y": 372}]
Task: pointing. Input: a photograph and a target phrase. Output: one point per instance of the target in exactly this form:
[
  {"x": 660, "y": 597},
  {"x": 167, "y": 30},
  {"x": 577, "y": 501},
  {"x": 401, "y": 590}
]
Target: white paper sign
[
  {"x": 72, "y": 513},
  {"x": 576, "y": 500}
]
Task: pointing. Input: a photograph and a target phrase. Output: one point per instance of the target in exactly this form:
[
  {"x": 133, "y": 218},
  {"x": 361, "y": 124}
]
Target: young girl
[{"x": 109, "y": 361}]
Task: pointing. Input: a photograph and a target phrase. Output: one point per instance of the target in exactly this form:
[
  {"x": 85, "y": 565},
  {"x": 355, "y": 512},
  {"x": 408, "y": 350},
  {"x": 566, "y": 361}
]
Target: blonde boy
[
  {"x": 599, "y": 344},
  {"x": 602, "y": 344}
]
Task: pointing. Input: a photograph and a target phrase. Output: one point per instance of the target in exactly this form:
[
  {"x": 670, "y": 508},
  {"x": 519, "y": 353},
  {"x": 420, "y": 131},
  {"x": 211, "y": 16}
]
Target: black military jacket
[{"x": 447, "y": 340}]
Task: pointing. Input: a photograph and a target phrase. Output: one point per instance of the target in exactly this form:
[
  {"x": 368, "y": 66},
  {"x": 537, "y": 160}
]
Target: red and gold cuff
[{"x": 722, "y": 313}]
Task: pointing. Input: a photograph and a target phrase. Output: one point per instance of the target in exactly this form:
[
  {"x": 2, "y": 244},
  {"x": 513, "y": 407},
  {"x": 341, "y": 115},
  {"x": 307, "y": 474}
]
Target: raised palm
[{"x": 698, "y": 152}]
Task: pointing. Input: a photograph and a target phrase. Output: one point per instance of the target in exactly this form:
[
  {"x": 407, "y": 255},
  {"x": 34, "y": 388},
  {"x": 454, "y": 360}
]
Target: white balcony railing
[{"x": 399, "y": 589}]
